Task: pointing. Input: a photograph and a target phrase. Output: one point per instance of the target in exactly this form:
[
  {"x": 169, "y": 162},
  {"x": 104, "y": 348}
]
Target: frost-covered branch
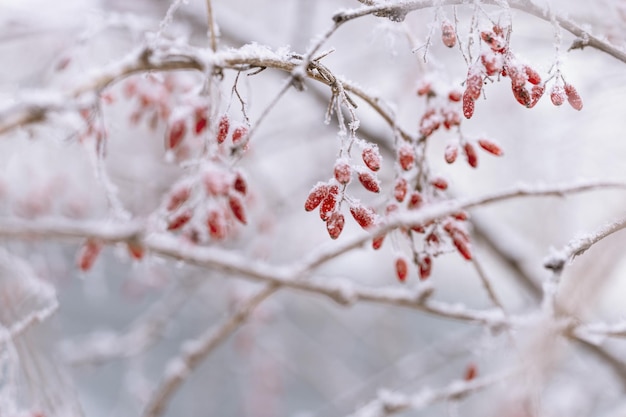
[
  {"x": 174, "y": 58},
  {"x": 435, "y": 211},
  {"x": 28, "y": 321},
  {"x": 577, "y": 246},
  {"x": 397, "y": 12},
  {"x": 389, "y": 402},
  {"x": 193, "y": 352}
]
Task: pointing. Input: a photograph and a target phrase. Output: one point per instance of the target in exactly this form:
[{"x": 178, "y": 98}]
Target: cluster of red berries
[{"x": 329, "y": 195}]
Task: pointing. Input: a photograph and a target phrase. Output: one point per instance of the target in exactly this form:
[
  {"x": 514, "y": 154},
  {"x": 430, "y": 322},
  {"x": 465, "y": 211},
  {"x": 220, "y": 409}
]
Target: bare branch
[
  {"x": 577, "y": 246},
  {"x": 193, "y": 352},
  {"x": 398, "y": 10},
  {"x": 389, "y": 403}
]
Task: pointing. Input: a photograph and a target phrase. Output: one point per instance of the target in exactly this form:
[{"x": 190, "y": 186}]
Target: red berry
[
  {"x": 371, "y": 157},
  {"x": 425, "y": 265},
  {"x": 377, "y": 242},
  {"x": 239, "y": 184},
  {"x": 329, "y": 203},
  {"x": 201, "y": 120},
  {"x": 491, "y": 147},
  {"x": 216, "y": 224},
  {"x": 474, "y": 83},
  {"x": 470, "y": 372},
  {"x": 439, "y": 183},
  {"x": 400, "y": 189},
  {"x": 415, "y": 200},
  {"x": 402, "y": 268},
  {"x": 470, "y": 153},
  {"x": 236, "y": 206},
  {"x": 334, "y": 224},
  {"x": 222, "y": 129},
  {"x": 88, "y": 254},
  {"x": 451, "y": 153},
  {"x": 369, "y": 181},
  {"x": 448, "y": 36},
  {"x": 468, "y": 105},
  {"x": 459, "y": 239},
  {"x": 522, "y": 95},
  {"x": 423, "y": 88},
  {"x": 573, "y": 97},
  {"x": 178, "y": 197},
  {"x": 454, "y": 95},
  {"x": 135, "y": 249},
  {"x": 316, "y": 195},
  {"x": 557, "y": 95},
  {"x": 363, "y": 216},
  {"x": 239, "y": 134},
  {"x": 176, "y": 133},
  {"x": 179, "y": 220},
  {"x": 533, "y": 76},
  {"x": 343, "y": 172},
  {"x": 535, "y": 94},
  {"x": 406, "y": 156}
]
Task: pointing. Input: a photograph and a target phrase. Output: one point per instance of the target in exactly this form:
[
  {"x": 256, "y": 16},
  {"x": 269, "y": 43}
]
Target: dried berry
[
  {"x": 425, "y": 265},
  {"x": 179, "y": 220},
  {"x": 363, "y": 216},
  {"x": 239, "y": 134},
  {"x": 415, "y": 200},
  {"x": 402, "y": 268},
  {"x": 316, "y": 195},
  {"x": 135, "y": 249},
  {"x": 470, "y": 153},
  {"x": 468, "y": 105},
  {"x": 201, "y": 120},
  {"x": 222, "y": 129},
  {"x": 406, "y": 156},
  {"x": 439, "y": 183},
  {"x": 573, "y": 97},
  {"x": 334, "y": 224},
  {"x": 448, "y": 36},
  {"x": 329, "y": 203},
  {"x": 178, "y": 197},
  {"x": 239, "y": 184},
  {"x": 470, "y": 372},
  {"x": 522, "y": 95},
  {"x": 88, "y": 254},
  {"x": 216, "y": 224},
  {"x": 532, "y": 75},
  {"x": 535, "y": 94},
  {"x": 491, "y": 147},
  {"x": 371, "y": 157},
  {"x": 236, "y": 206},
  {"x": 400, "y": 189},
  {"x": 369, "y": 181},
  {"x": 455, "y": 95},
  {"x": 451, "y": 153},
  {"x": 423, "y": 88},
  {"x": 175, "y": 134},
  {"x": 557, "y": 95},
  {"x": 343, "y": 172},
  {"x": 377, "y": 242}
]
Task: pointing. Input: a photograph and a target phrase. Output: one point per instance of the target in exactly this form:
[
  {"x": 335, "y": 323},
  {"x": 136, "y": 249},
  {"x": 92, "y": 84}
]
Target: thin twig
[
  {"x": 212, "y": 26},
  {"x": 193, "y": 352}
]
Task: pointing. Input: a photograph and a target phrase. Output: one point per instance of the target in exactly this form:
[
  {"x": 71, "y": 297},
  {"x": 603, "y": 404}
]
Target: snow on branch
[
  {"x": 172, "y": 57},
  {"x": 434, "y": 211},
  {"x": 389, "y": 402},
  {"x": 577, "y": 246},
  {"x": 398, "y": 11}
]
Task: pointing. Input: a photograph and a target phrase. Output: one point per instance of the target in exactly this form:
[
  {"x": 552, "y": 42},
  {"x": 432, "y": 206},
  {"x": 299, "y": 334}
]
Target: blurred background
[{"x": 301, "y": 355}]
